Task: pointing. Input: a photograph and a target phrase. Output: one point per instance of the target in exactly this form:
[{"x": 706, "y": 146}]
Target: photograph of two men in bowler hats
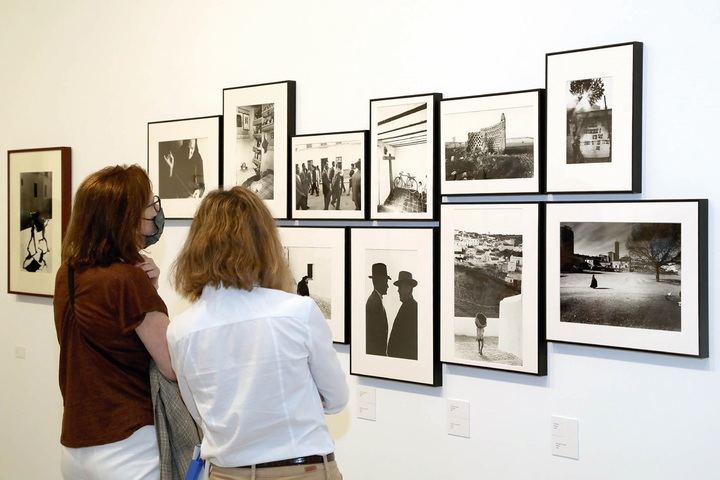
[
  {"x": 394, "y": 305},
  {"x": 391, "y": 332}
]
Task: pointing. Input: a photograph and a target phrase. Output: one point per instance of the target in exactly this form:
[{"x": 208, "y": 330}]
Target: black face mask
[{"x": 159, "y": 222}]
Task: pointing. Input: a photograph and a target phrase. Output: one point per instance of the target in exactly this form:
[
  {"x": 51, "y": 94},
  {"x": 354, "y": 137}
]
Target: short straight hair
[
  {"x": 106, "y": 216},
  {"x": 233, "y": 242}
]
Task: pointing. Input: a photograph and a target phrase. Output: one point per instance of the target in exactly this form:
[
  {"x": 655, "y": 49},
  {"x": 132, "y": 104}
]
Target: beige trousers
[{"x": 318, "y": 471}]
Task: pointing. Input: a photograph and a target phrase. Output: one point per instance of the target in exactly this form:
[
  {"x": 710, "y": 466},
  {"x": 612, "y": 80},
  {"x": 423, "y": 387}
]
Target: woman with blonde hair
[
  {"x": 255, "y": 363},
  {"x": 110, "y": 322}
]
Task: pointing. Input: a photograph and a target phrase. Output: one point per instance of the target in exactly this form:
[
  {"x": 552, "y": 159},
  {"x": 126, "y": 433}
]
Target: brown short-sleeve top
[{"x": 103, "y": 363}]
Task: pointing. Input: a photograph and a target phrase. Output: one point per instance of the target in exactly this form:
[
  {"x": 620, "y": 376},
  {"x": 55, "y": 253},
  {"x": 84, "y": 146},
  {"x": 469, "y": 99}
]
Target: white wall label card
[
  {"x": 458, "y": 418},
  {"x": 366, "y": 403},
  {"x": 565, "y": 437}
]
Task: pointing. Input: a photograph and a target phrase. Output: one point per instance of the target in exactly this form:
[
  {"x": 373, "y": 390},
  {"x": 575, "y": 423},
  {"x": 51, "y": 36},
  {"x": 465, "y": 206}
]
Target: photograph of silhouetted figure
[
  {"x": 403, "y": 342},
  {"x": 376, "y": 324},
  {"x": 302, "y": 287}
]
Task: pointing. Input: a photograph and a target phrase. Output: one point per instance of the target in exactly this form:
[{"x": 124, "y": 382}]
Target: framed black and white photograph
[
  {"x": 394, "y": 304},
  {"x": 184, "y": 162},
  {"x": 317, "y": 260},
  {"x": 492, "y": 144},
  {"x": 490, "y": 277},
  {"x": 629, "y": 274},
  {"x": 39, "y": 195},
  {"x": 258, "y": 121},
  {"x": 329, "y": 175},
  {"x": 594, "y": 119},
  {"x": 404, "y": 148}
]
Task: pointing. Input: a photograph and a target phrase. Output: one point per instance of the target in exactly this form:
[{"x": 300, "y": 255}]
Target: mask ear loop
[{"x": 157, "y": 229}]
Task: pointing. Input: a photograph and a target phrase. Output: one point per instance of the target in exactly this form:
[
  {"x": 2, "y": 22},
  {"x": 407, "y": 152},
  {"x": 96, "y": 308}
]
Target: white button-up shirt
[{"x": 257, "y": 371}]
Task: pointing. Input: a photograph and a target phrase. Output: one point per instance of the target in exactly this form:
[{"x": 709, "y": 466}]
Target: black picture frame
[
  {"x": 179, "y": 129},
  {"x": 623, "y": 171},
  {"x": 321, "y": 214},
  {"x": 432, "y": 372},
  {"x": 504, "y": 210},
  {"x": 280, "y": 97},
  {"x": 340, "y": 329},
  {"x": 432, "y": 151},
  {"x": 691, "y": 338},
  {"x": 475, "y": 187}
]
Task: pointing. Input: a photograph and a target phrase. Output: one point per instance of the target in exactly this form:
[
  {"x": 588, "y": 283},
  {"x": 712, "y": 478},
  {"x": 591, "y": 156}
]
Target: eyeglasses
[{"x": 156, "y": 203}]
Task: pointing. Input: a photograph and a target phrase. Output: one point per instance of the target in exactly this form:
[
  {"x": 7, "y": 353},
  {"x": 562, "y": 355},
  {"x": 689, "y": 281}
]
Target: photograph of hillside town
[
  {"x": 621, "y": 274},
  {"x": 488, "y": 284}
]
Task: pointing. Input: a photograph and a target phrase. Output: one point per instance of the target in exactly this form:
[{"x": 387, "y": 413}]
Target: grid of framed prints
[
  {"x": 329, "y": 173},
  {"x": 184, "y": 162},
  {"x": 404, "y": 148},
  {"x": 594, "y": 119},
  {"x": 258, "y": 121},
  {"x": 38, "y": 211},
  {"x": 317, "y": 258},
  {"x": 492, "y": 144},
  {"x": 394, "y": 304},
  {"x": 510, "y": 276},
  {"x": 491, "y": 278},
  {"x": 629, "y": 275}
]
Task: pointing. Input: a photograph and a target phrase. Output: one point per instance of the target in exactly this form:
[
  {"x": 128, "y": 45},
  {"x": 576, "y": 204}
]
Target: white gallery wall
[{"x": 90, "y": 75}]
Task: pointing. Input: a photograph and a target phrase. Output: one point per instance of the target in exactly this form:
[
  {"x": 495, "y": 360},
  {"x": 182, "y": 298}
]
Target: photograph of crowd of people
[{"x": 328, "y": 180}]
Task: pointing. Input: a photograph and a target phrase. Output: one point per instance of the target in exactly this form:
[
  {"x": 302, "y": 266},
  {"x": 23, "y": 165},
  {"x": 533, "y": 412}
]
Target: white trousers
[{"x": 134, "y": 458}]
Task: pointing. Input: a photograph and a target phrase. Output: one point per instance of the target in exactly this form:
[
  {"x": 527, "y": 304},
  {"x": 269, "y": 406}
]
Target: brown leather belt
[{"x": 309, "y": 460}]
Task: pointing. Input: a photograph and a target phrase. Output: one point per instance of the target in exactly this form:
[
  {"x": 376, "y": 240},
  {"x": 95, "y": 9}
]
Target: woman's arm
[
  {"x": 324, "y": 364},
  {"x": 152, "y": 332}
]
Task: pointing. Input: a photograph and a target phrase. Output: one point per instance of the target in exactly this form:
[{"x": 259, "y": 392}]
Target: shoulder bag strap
[{"x": 71, "y": 286}]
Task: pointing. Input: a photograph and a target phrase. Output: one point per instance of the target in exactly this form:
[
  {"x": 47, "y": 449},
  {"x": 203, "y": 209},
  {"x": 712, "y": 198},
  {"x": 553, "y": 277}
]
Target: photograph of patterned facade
[{"x": 488, "y": 153}]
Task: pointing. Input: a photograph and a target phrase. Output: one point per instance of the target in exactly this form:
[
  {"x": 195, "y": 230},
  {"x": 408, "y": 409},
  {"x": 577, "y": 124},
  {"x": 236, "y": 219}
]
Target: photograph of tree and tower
[{"x": 621, "y": 274}]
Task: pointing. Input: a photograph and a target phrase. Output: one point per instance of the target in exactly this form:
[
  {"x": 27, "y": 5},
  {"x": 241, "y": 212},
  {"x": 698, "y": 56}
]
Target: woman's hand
[{"x": 151, "y": 270}]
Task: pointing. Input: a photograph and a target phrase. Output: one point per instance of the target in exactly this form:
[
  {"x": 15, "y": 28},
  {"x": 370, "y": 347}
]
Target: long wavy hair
[
  {"x": 233, "y": 242},
  {"x": 105, "y": 222}
]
